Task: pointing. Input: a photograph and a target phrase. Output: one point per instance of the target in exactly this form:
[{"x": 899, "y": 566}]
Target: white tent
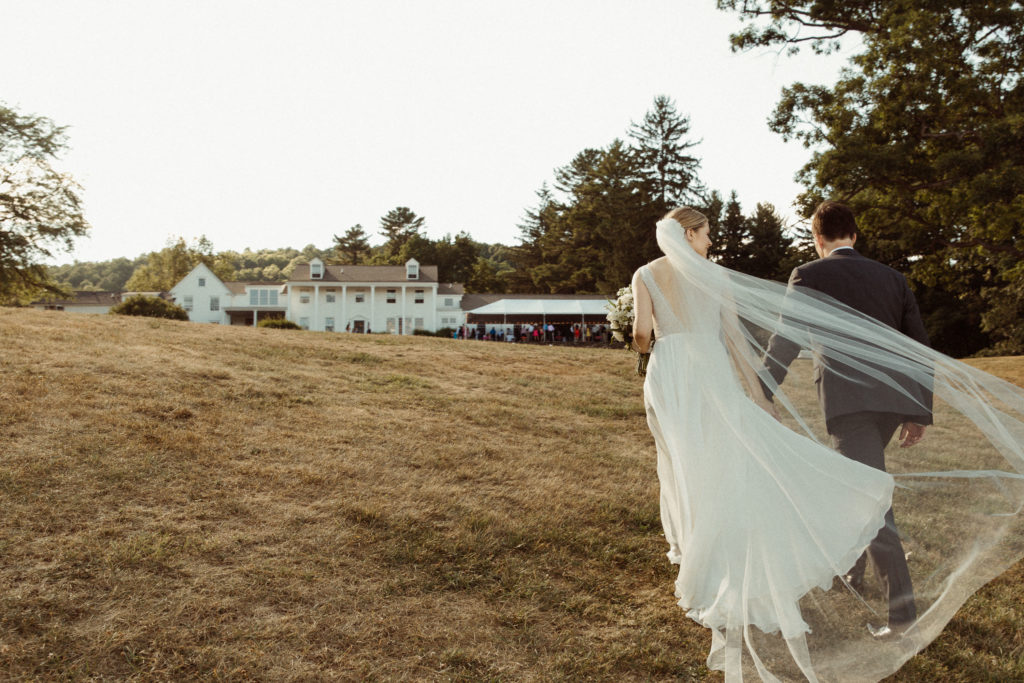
[{"x": 544, "y": 307}]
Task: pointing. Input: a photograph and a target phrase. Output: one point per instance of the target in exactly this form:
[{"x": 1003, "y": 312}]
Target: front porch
[{"x": 252, "y": 316}]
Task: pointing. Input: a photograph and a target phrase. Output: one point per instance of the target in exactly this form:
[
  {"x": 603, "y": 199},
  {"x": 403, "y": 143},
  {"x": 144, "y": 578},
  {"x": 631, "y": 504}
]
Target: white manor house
[
  {"x": 360, "y": 299},
  {"x": 329, "y": 298}
]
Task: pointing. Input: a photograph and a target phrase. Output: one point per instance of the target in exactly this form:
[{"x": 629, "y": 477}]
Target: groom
[{"x": 861, "y": 417}]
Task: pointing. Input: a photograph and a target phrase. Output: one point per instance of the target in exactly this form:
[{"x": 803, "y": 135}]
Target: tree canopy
[
  {"x": 353, "y": 245},
  {"x": 40, "y": 207},
  {"x": 596, "y": 226},
  {"x": 163, "y": 269},
  {"x": 923, "y": 135}
]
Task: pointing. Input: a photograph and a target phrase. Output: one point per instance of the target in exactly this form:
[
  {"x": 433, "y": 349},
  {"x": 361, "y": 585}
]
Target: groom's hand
[{"x": 911, "y": 434}]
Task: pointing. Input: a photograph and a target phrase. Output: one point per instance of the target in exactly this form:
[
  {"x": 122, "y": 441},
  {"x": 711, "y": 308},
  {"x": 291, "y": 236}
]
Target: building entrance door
[{"x": 359, "y": 326}]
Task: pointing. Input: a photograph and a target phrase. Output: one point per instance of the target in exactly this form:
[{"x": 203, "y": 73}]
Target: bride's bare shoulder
[{"x": 659, "y": 264}]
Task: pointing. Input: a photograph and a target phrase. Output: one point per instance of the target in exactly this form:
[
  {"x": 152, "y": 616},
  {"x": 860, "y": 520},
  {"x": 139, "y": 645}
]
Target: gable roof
[
  {"x": 450, "y": 288},
  {"x": 342, "y": 273}
]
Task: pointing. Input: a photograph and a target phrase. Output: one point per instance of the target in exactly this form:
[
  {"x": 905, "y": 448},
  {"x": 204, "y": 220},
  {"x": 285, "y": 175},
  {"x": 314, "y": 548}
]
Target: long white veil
[{"x": 960, "y": 492}]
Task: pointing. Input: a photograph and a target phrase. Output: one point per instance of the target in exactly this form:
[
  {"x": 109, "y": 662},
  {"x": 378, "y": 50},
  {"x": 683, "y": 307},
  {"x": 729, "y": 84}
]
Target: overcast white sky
[{"x": 270, "y": 124}]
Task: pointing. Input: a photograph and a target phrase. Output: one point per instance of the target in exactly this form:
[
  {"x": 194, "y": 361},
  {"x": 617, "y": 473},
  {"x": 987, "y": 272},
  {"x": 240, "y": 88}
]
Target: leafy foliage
[
  {"x": 165, "y": 268},
  {"x": 278, "y": 324},
  {"x": 97, "y": 276},
  {"x": 150, "y": 307},
  {"x": 40, "y": 208},
  {"x": 923, "y": 134},
  {"x": 596, "y": 227}
]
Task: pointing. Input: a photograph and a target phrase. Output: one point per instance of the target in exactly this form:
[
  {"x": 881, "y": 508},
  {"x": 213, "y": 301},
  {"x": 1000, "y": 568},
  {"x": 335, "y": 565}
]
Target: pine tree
[
  {"x": 661, "y": 149},
  {"x": 353, "y": 245},
  {"x": 397, "y": 227},
  {"x": 730, "y": 246},
  {"x": 769, "y": 245}
]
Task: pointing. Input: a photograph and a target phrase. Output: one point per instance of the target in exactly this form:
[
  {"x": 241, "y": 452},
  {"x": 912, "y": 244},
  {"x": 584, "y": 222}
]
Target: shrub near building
[
  {"x": 278, "y": 324},
  {"x": 151, "y": 307}
]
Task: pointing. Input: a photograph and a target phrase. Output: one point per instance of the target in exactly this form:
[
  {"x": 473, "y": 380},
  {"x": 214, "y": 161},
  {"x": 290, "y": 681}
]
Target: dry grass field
[{"x": 180, "y": 501}]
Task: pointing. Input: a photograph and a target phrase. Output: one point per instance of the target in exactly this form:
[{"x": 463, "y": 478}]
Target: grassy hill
[{"x": 181, "y": 501}]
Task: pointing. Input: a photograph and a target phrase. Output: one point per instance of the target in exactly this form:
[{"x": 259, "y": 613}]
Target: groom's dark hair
[{"x": 833, "y": 221}]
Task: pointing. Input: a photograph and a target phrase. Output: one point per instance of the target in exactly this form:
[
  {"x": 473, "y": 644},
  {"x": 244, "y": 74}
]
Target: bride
[{"x": 764, "y": 519}]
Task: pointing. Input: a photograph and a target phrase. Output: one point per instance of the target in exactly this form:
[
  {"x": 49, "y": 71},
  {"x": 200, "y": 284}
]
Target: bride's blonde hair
[{"x": 688, "y": 217}]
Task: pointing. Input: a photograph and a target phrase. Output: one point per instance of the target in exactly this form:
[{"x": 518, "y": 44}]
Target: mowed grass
[{"x": 180, "y": 501}]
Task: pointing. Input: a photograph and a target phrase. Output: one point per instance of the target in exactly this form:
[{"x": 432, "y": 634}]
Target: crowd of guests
[{"x": 540, "y": 333}]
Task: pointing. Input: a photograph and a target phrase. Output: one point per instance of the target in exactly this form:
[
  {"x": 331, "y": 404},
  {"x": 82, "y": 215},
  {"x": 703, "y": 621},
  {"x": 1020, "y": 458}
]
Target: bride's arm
[
  {"x": 643, "y": 315},
  {"x": 744, "y": 359}
]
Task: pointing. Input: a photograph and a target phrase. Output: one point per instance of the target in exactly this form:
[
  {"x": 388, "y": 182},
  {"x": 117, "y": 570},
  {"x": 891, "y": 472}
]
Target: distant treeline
[{"x": 592, "y": 227}]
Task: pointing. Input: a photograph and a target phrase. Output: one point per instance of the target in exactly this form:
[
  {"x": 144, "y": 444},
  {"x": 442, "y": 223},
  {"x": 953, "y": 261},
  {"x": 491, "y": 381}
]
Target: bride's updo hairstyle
[{"x": 687, "y": 217}]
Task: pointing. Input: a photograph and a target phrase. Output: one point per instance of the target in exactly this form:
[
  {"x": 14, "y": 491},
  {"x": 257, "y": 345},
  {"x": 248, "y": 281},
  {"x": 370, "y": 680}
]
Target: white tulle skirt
[{"x": 755, "y": 514}]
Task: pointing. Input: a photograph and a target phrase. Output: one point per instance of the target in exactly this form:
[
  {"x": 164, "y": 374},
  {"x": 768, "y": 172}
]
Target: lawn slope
[{"x": 186, "y": 501}]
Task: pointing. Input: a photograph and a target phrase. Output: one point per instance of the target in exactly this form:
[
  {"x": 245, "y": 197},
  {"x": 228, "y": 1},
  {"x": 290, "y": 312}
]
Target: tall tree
[
  {"x": 455, "y": 257},
  {"x": 398, "y": 226},
  {"x": 731, "y": 245},
  {"x": 353, "y": 245},
  {"x": 770, "y": 246},
  {"x": 661, "y": 148},
  {"x": 40, "y": 207},
  {"x": 922, "y": 135}
]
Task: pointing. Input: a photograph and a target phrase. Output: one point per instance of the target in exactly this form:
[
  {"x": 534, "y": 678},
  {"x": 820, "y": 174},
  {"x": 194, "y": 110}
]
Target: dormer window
[
  {"x": 412, "y": 269},
  {"x": 316, "y": 269}
]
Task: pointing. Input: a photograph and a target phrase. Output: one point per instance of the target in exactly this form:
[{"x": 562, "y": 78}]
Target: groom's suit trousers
[{"x": 862, "y": 437}]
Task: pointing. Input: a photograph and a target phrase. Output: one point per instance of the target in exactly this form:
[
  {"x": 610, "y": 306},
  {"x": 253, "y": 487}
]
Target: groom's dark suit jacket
[{"x": 875, "y": 290}]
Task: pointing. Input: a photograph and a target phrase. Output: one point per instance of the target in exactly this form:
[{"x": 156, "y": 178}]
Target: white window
[
  {"x": 412, "y": 271},
  {"x": 214, "y": 303},
  {"x": 417, "y": 323},
  {"x": 418, "y": 296},
  {"x": 360, "y": 297},
  {"x": 303, "y": 298},
  {"x": 329, "y": 324},
  {"x": 304, "y": 323},
  {"x": 330, "y": 298},
  {"x": 188, "y": 302},
  {"x": 448, "y": 303},
  {"x": 202, "y": 282},
  {"x": 262, "y": 297},
  {"x": 392, "y": 296},
  {"x": 316, "y": 270},
  {"x": 392, "y": 322}
]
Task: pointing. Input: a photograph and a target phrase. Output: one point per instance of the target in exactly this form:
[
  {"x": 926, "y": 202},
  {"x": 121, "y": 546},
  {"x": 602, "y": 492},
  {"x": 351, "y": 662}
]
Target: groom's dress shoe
[
  {"x": 893, "y": 632},
  {"x": 882, "y": 632}
]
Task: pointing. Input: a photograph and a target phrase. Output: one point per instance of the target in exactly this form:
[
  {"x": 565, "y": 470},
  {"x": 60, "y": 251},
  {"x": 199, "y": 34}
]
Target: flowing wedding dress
[{"x": 762, "y": 518}]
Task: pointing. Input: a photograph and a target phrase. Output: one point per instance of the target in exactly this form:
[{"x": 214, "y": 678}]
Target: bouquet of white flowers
[{"x": 621, "y": 317}]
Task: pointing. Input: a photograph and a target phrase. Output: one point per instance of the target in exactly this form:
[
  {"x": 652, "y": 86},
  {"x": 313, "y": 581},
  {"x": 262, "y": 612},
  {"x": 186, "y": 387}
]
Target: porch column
[
  {"x": 316, "y": 309},
  {"x": 403, "y": 327},
  {"x": 344, "y": 303},
  {"x": 372, "y": 321},
  {"x": 255, "y": 317},
  {"x": 433, "y": 291}
]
